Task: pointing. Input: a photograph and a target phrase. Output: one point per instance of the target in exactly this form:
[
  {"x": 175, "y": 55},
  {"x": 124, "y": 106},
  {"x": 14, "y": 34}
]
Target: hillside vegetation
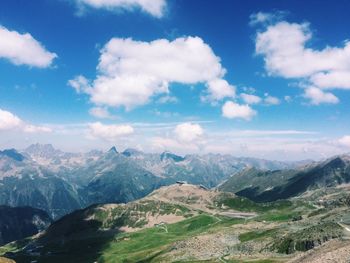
[{"x": 182, "y": 223}]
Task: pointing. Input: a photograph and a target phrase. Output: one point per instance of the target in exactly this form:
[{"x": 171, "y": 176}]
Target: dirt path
[{"x": 237, "y": 214}]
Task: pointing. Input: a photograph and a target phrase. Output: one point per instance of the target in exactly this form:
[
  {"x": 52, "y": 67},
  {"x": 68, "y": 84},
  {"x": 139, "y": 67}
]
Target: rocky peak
[
  {"x": 113, "y": 150},
  {"x": 42, "y": 150},
  {"x": 171, "y": 156}
]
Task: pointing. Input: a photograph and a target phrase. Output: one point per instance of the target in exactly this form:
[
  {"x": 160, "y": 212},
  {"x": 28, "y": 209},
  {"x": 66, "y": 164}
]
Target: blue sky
[{"x": 269, "y": 79}]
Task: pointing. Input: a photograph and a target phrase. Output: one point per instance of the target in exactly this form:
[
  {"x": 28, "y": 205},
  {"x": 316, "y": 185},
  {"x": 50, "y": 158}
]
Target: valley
[
  {"x": 185, "y": 223},
  {"x": 137, "y": 207}
]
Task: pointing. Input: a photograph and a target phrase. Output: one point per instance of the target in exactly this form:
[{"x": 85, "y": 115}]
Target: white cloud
[
  {"x": 155, "y": 8},
  {"x": 335, "y": 79},
  {"x": 270, "y": 100},
  {"x": 131, "y": 72},
  {"x": 283, "y": 46},
  {"x": 188, "y": 132},
  {"x": 109, "y": 132},
  {"x": 9, "y": 122},
  {"x": 23, "y": 49},
  {"x": 186, "y": 137},
  {"x": 101, "y": 113},
  {"x": 344, "y": 141},
  {"x": 219, "y": 89},
  {"x": 80, "y": 84},
  {"x": 317, "y": 96},
  {"x": 233, "y": 110},
  {"x": 250, "y": 99}
]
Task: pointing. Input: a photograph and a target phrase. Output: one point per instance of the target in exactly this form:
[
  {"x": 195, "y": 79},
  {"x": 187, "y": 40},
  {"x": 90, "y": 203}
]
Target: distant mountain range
[
  {"x": 270, "y": 185},
  {"x": 58, "y": 182}
]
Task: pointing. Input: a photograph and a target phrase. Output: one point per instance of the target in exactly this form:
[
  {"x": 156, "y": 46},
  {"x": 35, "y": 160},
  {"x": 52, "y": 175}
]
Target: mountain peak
[
  {"x": 113, "y": 150},
  {"x": 338, "y": 161},
  {"x": 42, "y": 150},
  {"x": 40, "y": 146},
  {"x": 171, "y": 156}
]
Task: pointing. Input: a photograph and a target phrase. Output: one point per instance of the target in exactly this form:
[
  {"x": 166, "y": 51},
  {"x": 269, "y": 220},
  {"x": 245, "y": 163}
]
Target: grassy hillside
[{"x": 206, "y": 229}]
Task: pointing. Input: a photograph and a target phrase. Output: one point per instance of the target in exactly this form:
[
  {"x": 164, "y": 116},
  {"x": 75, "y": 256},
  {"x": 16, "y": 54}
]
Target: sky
[{"x": 267, "y": 79}]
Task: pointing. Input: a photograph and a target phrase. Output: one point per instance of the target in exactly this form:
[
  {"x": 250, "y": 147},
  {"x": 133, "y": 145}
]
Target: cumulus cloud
[
  {"x": 219, "y": 89},
  {"x": 23, "y": 49},
  {"x": 250, "y": 99},
  {"x": 9, "y": 122},
  {"x": 188, "y": 132},
  {"x": 317, "y": 96},
  {"x": 329, "y": 80},
  {"x": 284, "y": 48},
  {"x": 155, "y": 8},
  {"x": 131, "y": 72},
  {"x": 109, "y": 132},
  {"x": 185, "y": 137},
  {"x": 234, "y": 110}
]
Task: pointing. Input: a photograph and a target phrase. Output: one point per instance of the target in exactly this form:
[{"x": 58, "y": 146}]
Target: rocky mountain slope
[
  {"x": 19, "y": 222},
  {"x": 267, "y": 185},
  {"x": 24, "y": 182}
]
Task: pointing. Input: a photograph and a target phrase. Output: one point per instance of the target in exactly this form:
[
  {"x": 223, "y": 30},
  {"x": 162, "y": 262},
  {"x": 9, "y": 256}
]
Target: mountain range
[
  {"x": 270, "y": 185},
  {"x": 57, "y": 182}
]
